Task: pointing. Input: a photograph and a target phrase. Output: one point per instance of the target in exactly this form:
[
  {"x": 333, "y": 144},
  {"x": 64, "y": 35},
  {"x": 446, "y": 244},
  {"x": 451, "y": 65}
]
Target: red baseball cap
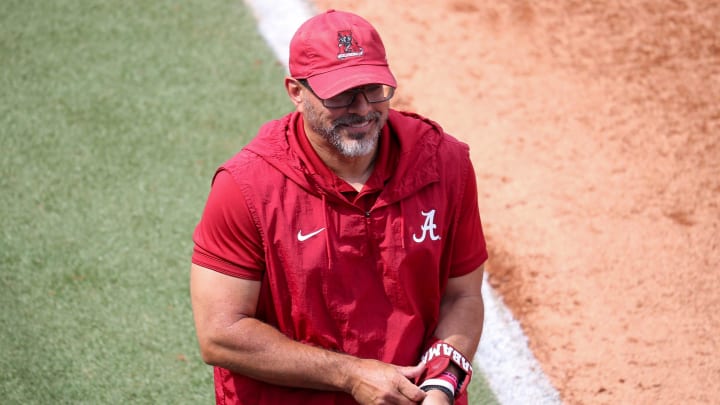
[{"x": 336, "y": 51}]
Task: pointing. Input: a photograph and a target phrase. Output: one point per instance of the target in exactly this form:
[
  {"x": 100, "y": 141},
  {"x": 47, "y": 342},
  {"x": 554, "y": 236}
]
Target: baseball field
[
  {"x": 113, "y": 117},
  {"x": 596, "y": 135}
]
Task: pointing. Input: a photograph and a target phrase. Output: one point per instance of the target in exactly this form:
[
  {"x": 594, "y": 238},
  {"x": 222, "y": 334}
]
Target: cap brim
[{"x": 329, "y": 84}]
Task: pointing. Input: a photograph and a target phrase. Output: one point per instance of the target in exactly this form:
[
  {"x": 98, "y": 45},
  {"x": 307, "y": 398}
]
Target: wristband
[
  {"x": 450, "y": 377},
  {"x": 444, "y": 389},
  {"x": 437, "y": 382},
  {"x": 437, "y": 359}
]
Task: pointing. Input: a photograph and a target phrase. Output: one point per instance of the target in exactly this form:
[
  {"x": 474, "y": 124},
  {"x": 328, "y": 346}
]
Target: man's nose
[{"x": 360, "y": 104}]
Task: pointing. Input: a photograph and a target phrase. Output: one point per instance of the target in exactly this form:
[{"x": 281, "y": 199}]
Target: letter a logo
[{"x": 428, "y": 226}]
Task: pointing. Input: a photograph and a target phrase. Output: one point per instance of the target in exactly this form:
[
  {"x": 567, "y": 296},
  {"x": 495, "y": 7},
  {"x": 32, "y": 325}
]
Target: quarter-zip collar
[{"x": 403, "y": 166}]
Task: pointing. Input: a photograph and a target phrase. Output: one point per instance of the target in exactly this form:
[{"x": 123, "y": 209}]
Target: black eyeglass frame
[{"x": 355, "y": 91}]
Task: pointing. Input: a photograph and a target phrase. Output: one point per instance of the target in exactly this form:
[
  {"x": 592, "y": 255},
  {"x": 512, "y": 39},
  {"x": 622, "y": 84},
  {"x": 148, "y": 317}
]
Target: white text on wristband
[{"x": 445, "y": 350}]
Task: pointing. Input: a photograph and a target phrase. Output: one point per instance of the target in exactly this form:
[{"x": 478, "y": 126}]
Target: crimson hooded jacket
[{"x": 362, "y": 279}]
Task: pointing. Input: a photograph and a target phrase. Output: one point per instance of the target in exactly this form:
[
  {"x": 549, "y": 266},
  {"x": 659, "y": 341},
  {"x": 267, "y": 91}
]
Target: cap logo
[{"x": 347, "y": 46}]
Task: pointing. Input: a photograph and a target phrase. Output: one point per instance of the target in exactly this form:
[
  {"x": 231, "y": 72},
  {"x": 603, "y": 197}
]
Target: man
[{"x": 339, "y": 257}]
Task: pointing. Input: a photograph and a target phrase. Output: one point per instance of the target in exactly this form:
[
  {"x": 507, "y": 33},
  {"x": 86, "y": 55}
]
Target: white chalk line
[{"x": 512, "y": 371}]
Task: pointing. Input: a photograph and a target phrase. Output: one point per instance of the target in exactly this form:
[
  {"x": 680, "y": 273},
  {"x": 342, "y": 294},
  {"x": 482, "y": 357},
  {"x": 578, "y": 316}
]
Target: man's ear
[{"x": 294, "y": 90}]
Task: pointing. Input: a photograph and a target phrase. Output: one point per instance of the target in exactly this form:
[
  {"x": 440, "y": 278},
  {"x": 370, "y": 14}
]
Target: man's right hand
[{"x": 373, "y": 382}]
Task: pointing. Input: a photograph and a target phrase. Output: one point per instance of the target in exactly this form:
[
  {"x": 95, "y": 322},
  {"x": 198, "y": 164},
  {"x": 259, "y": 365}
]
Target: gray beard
[
  {"x": 353, "y": 147},
  {"x": 360, "y": 146}
]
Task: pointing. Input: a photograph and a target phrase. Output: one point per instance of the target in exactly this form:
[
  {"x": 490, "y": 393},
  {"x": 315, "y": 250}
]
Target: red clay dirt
[{"x": 595, "y": 132}]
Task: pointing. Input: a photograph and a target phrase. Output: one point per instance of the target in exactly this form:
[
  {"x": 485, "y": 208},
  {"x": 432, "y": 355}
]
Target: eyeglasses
[{"x": 373, "y": 93}]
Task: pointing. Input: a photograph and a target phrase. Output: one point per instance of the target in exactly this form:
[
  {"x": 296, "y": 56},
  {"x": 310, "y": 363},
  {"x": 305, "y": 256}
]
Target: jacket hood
[{"x": 419, "y": 140}]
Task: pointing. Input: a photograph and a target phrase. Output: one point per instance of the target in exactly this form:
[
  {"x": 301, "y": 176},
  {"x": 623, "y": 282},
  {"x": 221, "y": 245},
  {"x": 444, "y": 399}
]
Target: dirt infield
[{"x": 596, "y": 136}]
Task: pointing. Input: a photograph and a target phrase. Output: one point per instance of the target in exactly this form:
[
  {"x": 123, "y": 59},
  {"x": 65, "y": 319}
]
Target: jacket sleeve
[
  {"x": 469, "y": 248},
  {"x": 226, "y": 239}
]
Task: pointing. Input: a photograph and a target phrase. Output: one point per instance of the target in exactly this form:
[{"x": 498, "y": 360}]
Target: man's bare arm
[
  {"x": 462, "y": 312},
  {"x": 461, "y": 321},
  {"x": 230, "y": 337}
]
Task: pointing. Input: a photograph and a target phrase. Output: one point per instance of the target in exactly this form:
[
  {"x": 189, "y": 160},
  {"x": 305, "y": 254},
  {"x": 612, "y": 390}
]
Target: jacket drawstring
[
  {"x": 323, "y": 196},
  {"x": 327, "y": 230},
  {"x": 402, "y": 226}
]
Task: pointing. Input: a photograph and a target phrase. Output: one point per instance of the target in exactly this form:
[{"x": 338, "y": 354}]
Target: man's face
[{"x": 353, "y": 131}]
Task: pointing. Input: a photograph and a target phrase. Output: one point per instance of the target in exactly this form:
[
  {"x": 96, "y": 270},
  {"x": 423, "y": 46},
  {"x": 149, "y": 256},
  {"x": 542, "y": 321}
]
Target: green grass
[{"x": 113, "y": 117}]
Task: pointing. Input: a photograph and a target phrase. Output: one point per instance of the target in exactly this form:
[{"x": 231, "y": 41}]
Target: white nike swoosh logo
[{"x": 303, "y": 238}]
